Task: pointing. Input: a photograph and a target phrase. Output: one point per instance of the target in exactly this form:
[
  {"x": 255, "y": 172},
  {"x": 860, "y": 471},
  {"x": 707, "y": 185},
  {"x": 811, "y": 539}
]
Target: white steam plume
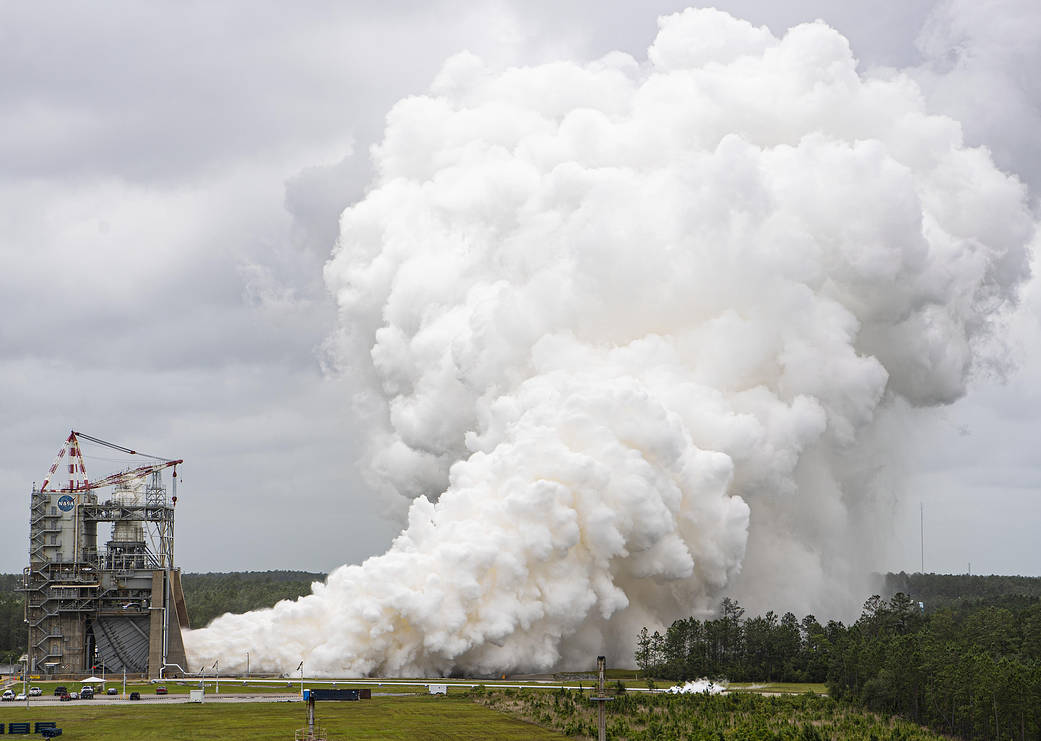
[{"x": 625, "y": 319}]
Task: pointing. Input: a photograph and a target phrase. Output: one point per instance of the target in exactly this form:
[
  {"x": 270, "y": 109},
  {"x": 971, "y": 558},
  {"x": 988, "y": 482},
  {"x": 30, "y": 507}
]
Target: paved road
[{"x": 163, "y": 699}]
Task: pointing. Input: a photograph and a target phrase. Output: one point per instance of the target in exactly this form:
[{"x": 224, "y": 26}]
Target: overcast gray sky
[{"x": 171, "y": 175}]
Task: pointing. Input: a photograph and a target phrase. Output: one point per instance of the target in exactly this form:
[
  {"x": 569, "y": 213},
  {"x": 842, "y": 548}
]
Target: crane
[{"x": 78, "y": 473}]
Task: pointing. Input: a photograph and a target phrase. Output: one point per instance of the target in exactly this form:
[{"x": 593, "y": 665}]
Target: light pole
[
  {"x": 25, "y": 681},
  {"x": 216, "y": 665},
  {"x": 124, "y": 681},
  {"x": 301, "y": 668},
  {"x": 247, "y": 665}
]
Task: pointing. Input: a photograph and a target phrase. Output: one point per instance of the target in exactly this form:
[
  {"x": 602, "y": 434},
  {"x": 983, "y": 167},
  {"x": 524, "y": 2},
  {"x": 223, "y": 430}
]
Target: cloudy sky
[{"x": 171, "y": 177}]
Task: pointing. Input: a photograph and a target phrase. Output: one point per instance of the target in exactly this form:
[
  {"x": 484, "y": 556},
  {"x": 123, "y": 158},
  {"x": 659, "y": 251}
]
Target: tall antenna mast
[{"x": 921, "y": 506}]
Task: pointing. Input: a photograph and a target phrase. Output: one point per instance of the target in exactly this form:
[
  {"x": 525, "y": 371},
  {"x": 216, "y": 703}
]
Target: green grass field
[
  {"x": 790, "y": 688},
  {"x": 410, "y": 718}
]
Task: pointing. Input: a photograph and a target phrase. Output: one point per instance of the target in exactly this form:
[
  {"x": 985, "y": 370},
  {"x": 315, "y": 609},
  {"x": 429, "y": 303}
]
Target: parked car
[
  {"x": 74, "y": 695},
  {"x": 35, "y": 692},
  {"x": 8, "y": 695},
  {"x": 135, "y": 695},
  {"x": 65, "y": 697},
  {"x": 86, "y": 693},
  {"x": 160, "y": 690},
  {"x": 60, "y": 690},
  {"x": 111, "y": 691},
  {"x": 19, "y": 696}
]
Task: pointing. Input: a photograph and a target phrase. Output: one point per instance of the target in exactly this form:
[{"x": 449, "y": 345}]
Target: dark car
[
  {"x": 112, "y": 691},
  {"x": 61, "y": 690},
  {"x": 86, "y": 693},
  {"x": 135, "y": 695},
  {"x": 160, "y": 690}
]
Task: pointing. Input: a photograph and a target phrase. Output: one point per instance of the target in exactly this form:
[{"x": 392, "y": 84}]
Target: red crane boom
[{"x": 78, "y": 472}]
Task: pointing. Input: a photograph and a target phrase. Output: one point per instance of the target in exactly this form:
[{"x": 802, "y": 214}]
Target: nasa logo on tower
[{"x": 65, "y": 503}]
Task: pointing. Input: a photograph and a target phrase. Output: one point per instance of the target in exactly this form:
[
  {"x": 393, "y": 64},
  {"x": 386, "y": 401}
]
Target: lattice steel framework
[{"x": 120, "y": 605}]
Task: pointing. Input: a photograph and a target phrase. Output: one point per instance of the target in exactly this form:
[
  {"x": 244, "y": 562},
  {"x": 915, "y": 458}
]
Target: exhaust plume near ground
[{"x": 638, "y": 333}]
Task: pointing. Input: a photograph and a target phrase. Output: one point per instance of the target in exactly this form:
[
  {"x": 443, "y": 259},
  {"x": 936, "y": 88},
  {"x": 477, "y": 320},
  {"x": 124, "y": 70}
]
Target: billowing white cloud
[{"x": 636, "y": 332}]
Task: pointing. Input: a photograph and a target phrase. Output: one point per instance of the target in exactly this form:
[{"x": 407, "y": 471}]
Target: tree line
[
  {"x": 972, "y": 669},
  {"x": 206, "y": 597},
  {"x": 210, "y": 595},
  {"x": 761, "y": 648},
  {"x": 936, "y": 591},
  {"x": 13, "y": 633}
]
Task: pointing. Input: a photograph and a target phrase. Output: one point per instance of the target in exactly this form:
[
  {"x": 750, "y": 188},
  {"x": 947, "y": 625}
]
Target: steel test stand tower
[{"x": 116, "y": 608}]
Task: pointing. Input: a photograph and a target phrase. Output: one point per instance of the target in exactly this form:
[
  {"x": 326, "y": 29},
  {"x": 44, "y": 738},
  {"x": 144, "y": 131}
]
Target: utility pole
[
  {"x": 600, "y": 699},
  {"x": 310, "y": 715}
]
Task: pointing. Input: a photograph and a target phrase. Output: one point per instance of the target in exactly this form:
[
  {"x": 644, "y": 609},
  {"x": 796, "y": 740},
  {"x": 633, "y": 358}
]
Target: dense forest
[
  {"x": 206, "y": 595},
  {"x": 971, "y": 668}
]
